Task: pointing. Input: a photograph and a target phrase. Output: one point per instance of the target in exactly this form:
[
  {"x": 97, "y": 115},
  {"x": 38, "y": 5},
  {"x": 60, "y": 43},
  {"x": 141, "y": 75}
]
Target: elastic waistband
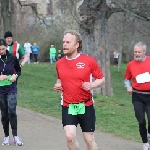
[
  {"x": 141, "y": 90},
  {"x": 82, "y": 102}
]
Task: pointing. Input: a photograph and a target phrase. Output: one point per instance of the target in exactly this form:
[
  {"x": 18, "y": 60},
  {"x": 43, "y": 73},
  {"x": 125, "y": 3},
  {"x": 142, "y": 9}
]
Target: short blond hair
[{"x": 78, "y": 38}]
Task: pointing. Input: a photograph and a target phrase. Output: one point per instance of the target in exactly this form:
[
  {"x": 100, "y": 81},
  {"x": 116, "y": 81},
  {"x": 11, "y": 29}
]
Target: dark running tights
[
  {"x": 8, "y": 104},
  {"x": 141, "y": 103}
]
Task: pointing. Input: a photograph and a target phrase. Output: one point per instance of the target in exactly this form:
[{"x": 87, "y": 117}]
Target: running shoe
[
  {"x": 6, "y": 141},
  {"x": 17, "y": 141},
  {"x": 146, "y": 146}
]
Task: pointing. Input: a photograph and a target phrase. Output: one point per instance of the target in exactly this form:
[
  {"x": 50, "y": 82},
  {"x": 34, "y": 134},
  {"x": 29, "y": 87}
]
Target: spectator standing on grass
[
  {"x": 35, "y": 51},
  {"x": 52, "y": 53},
  {"x": 8, "y": 93},
  {"x": 116, "y": 56},
  {"x": 15, "y": 48},
  {"x": 60, "y": 54},
  {"x": 27, "y": 48},
  {"x": 138, "y": 73},
  {"x": 74, "y": 73}
]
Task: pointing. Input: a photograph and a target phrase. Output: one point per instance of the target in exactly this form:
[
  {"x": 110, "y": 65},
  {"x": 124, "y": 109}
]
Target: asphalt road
[{"x": 41, "y": 132}]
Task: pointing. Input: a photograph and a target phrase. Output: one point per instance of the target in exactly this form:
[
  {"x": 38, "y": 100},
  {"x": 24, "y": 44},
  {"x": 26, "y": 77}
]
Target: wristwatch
[{"x": 16, "y": 75}]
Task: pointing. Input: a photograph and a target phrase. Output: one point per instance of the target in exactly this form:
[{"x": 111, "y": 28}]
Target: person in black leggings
[
  {"x": 141, "y": 103},
  {"x": 138, "y": 71},
  {"x": 8, "y": 93}
]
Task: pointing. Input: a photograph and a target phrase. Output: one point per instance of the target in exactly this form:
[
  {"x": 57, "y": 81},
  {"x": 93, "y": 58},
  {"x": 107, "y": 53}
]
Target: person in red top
[
  {"x": 138, "y": 72},
  {"x": 75, "y": 72}
]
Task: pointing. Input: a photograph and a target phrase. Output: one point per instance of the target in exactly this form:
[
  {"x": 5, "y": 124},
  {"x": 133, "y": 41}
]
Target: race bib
[
  {"x": 6, "y": 82},
  {"x": 75, "y": 109},
  {"x": 142, "y": 78}
]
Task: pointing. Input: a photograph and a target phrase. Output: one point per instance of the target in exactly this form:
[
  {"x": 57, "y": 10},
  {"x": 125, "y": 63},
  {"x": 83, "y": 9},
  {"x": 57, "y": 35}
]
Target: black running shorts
[{"x": 86, "y": 121}]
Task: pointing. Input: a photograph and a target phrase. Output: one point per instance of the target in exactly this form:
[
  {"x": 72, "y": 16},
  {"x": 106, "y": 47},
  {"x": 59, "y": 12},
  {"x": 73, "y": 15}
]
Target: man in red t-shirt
[
  {"x": 75, "y": 72},
  {"x": 138, "y": 71}
]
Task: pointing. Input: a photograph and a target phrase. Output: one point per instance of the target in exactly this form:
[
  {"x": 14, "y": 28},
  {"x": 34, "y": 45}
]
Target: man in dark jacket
[{"x": 15, "y": 48}]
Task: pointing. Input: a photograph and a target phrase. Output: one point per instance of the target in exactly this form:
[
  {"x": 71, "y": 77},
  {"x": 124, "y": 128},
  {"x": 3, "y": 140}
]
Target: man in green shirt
[
  {"x": 15, "y": 48},
  {"x": 52, "y": 52}
]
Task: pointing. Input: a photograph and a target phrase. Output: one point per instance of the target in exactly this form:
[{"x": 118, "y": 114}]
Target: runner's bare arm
[
  {"x": 25, "y": 59},
  {"x": 91, "y": 85},
  {"x": 97, "y": 83}
]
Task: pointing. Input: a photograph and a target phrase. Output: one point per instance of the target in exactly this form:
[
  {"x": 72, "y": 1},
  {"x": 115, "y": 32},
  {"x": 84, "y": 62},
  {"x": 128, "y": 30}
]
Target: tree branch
[{"x": 133, "y": 13}]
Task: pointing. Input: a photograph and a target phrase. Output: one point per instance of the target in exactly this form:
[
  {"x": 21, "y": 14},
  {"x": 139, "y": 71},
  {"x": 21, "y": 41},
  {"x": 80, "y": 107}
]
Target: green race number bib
[
  {"x": 75, "y": 109},
  {"x": 6, "y": 82}
]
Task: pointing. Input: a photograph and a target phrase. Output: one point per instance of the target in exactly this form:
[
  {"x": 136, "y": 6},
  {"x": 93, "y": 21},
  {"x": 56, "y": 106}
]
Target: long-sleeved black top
[{"x": 9, "y": 65}]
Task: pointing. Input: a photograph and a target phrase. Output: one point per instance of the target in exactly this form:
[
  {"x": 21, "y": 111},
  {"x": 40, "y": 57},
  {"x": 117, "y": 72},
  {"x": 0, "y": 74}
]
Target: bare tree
[
  {"x": 93, "y": 27},
  {"x": 6, "y": 14},
  {"x": 51, "y": 26},
  {"x": 93, "y": 22}
]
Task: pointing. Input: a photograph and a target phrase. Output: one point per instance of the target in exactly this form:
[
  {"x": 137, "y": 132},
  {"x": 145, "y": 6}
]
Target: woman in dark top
[{"x": 9, "y": 72}]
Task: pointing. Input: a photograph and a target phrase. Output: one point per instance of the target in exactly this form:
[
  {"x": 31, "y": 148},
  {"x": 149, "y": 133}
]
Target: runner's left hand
[
  {"x": 13, "y": 78},
  {"x": 86, "y": 86}
]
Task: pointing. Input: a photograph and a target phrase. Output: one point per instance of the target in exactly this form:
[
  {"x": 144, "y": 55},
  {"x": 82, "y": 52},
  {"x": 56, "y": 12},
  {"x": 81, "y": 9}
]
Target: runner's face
[
  {"x": 139, "y": 53},
  {"x": 2, "y": 50},
  {"x": 70, "y": 45},
  {"x": 9, "y": 40}
]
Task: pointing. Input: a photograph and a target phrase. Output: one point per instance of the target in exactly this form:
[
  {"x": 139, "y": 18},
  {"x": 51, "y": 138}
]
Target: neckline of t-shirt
[{"x": 73, "y": 58}]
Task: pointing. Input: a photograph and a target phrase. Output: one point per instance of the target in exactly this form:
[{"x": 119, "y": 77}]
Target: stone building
[{"x": 48, "y": 12}]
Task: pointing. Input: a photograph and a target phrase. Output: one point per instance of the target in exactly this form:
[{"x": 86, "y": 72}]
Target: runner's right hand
[
  {"x": 129, "y": 90},
  {"x": 58, "y": 87},
  {"x": 3, "y": 77}
]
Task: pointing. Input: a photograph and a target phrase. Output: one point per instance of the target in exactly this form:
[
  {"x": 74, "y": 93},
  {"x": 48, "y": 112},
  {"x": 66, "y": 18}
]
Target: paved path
[{"x": 40, "y": 132}]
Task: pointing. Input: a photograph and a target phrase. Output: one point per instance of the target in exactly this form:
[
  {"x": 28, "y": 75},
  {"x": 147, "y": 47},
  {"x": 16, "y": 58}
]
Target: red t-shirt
[
  {"x": 135, "y": 68},
  {"x": 72, "y": 72}
]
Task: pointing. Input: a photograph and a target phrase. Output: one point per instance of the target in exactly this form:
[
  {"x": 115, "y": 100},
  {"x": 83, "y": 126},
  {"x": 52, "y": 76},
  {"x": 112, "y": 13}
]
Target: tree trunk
[
  {"x": 122, "y": 34},
  {"x": 120, "y": 56},
  {"x": 6, "y": 14},
  {"x": 93, "y": 28},
  {"x": 121, "y": 42},
  {"x": 1, "y": 24}
]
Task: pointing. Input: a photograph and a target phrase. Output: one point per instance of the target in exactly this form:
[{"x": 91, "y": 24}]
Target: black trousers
[
  {"x": 8, "y": 104},
  {"x": 115, "y": 61},
  {"x": 141, "y": 103},
  {"x": 35, "y": 57}
]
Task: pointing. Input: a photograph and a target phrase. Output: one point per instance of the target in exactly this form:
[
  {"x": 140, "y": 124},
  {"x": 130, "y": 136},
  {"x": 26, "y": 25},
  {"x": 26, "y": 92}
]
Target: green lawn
[{"x": 114, "y": 114}]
